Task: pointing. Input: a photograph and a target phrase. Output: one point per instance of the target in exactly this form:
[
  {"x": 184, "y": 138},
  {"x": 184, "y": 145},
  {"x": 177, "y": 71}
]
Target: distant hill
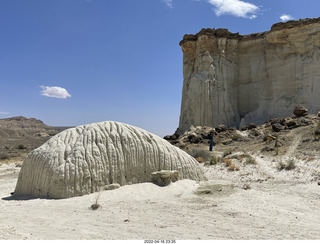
[{"x": 19, "y": 135}]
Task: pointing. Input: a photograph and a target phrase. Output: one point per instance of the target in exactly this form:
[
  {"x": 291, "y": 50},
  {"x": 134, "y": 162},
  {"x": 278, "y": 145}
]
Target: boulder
[
  {"x": 221, "y": 128},
  {"x": 164, "y": 177},
  {"x": 111, "y": 187},
  {"x": 84, "y": 159},
  {"x": 193, "y": 138},
  {"x": 277, "y": 127},
  {"x": 252, "y": 126},
  {"x": 300, "y": 111},
  {"x": 291, "y": 123}
]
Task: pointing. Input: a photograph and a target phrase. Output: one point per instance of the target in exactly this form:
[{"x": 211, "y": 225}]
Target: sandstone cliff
[{"x": 235, "y": 79}]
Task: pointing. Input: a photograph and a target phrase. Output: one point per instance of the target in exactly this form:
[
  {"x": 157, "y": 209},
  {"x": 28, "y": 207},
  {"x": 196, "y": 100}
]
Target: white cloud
[
  {"x": 168, "y": 3},
  {"x": 286, "y": 17},
  {"x": 237, "y": 8},
  {"x": 54, "y": 91},
  {"x": 4, "y": 112}
]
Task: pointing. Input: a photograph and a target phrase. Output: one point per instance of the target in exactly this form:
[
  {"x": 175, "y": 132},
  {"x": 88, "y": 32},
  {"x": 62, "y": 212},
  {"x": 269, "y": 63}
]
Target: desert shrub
[
  {"x": 290, "y": 165},
  {"x": 199, "y": 155},
  {"x": 233, "y": 167},
  {"x": 214, "y": 160},
  {"x": 287, "y": 166},
  {"x": 230, "y": 165},
  {"x": 248, "y": 159},
  {"x": 21, "y": 147},
  {"x": 281, "y": 165},
  {"x": 316, "y": 137},
  {"x": 246, "y": 186},
  {"x": 3, "y": 156},
  {"x": 227, "y": 161},
  {"x": 235, "y": 137},
  {"x": 96, "y": 204}
]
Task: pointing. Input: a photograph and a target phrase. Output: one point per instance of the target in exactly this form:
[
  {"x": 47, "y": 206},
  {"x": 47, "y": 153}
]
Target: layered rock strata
[
  {"x": 88, "y": 158},
  {"x": 237, "y": 79}
]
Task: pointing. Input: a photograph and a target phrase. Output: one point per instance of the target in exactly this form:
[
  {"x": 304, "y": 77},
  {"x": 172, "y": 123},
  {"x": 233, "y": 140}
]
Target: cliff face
[{"x": 237, "y": 79}]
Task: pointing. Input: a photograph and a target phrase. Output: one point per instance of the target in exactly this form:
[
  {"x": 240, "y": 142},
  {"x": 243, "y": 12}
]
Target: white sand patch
[{"x": 269, "y": 210}]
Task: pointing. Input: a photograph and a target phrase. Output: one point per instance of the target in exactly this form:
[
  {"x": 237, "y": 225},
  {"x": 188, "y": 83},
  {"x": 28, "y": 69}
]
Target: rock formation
[
  {"x": 87, "y": 158},
  {"x": 237, "y": 79}
]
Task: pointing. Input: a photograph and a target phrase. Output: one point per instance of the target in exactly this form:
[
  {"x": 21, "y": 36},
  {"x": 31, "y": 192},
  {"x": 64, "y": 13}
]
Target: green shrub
[
  {"x": 290, "y": 165},
  {"x": 235, "y": 137},
  {"x": 248, "y": 159},
  {"x": 214, "y": 160},
  {"x": 281, "y": 166}
]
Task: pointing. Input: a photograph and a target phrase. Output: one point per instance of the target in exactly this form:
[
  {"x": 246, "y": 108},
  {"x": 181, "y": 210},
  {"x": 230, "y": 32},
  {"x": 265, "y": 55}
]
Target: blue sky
[{"x": 73, "y": 62}]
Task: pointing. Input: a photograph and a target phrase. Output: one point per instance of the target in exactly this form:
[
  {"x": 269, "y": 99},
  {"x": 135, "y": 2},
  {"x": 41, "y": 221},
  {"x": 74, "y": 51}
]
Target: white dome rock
[{"x": 85, "y": 159}]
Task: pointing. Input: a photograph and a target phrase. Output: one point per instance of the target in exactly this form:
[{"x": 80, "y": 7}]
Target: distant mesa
[
  {"x": 86, "y": 158},
  {"x": 236, "y": 80}
]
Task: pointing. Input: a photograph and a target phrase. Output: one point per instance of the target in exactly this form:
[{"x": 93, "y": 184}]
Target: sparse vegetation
[
  {"x": 248, "y": 159},
  {"x": 246, "y": 186},
  {"x": 21, "y": 147},
  {"x": 96, "y": 204},
  {"x": 281, "y": 165},
  {"x": 200, "y": 155},
  {"x": 290, "y": 165},
  {"x": 287, "y": 166},
  {"x": 215, "y": 159},
  {"x": 231, "y": 166},
  {"x": 3, "y": 156},
  {"x": 235, "y": 137}
]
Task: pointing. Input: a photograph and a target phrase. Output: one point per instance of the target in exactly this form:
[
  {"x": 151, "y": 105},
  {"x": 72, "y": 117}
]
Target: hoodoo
[
  {"x": 84, "y": 159},
  {"x": 237, "y": 79}
]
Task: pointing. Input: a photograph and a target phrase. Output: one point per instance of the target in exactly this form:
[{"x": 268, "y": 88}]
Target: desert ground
[
  {"x": 251, "y": 193},
  {"x": 265, "y": 204}
]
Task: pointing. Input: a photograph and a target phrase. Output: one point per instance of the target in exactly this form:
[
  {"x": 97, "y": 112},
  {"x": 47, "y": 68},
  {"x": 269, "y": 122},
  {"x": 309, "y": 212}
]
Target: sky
[{"x": 74, "y": 62}]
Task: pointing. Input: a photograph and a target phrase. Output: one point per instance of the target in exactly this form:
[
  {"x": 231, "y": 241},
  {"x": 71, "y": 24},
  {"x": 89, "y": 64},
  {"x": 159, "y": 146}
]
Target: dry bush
[
  {"x": 248, "y": 159},
  {"x": 200, "y": 159},
  {"x": 287, "y": 166},
  {"x": 4, "y": 156},
  {"x": 200, "y": 155},
  {"x": 246, "y": 186},
  {"x": 233, "y": 167},
  {"x": 96, "y": 204},
  {"x": 230, "y": 165},
  {"x": 309, "y": 159},
  {"x": 227, "y": 161}
]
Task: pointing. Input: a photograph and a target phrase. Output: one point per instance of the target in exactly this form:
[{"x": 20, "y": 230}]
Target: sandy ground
[{"x": 278, "y": 205}]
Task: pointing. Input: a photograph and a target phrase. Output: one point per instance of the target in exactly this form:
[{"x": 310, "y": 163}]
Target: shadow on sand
[{"x": 23, "y": 198}]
